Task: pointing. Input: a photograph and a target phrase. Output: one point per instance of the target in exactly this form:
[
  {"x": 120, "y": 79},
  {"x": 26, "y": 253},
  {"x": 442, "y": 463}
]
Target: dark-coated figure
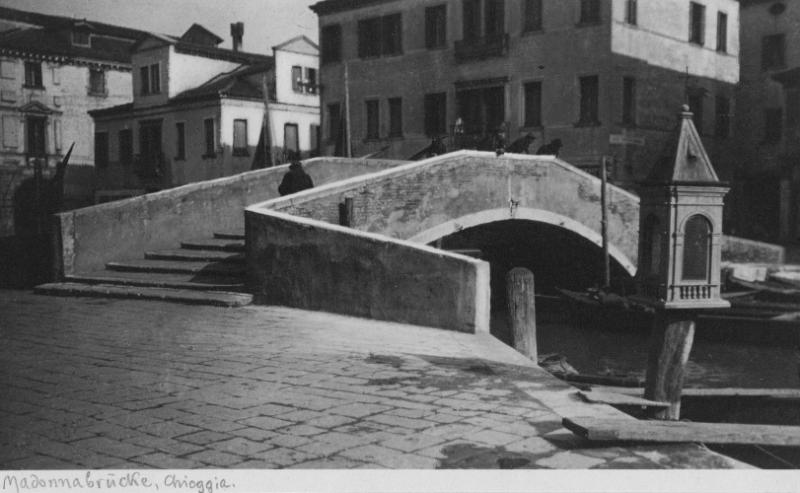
[
  {"x": 551, "y": 149},
  {"x": 295, "y": 180}
]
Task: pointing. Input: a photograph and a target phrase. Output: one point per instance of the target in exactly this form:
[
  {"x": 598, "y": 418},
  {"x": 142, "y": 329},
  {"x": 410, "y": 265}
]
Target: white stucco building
[{"x": 198, "y": 112}]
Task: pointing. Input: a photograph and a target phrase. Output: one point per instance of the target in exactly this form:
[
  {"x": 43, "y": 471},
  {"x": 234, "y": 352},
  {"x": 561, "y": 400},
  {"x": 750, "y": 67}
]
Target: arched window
[
  {"x": 696, "y": 248},
  {"x": 652, "y": 242}
]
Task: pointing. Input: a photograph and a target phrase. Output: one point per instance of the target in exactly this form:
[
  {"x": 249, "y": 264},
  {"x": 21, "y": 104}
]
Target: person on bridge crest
[
  {"x": 296, "y": 179},
  {"x": 551, "y": 149},
  {"x": 500, "y": 140}
]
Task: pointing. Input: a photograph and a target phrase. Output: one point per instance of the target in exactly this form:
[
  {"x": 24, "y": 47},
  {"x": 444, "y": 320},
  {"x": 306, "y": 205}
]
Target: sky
[{"x": 266, "y": 22}]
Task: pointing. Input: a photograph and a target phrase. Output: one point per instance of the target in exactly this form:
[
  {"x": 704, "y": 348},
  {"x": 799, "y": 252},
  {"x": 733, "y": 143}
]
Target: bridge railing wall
[
  {"x": 313, "y": 265},
  {"x": 86, "y": 239}
]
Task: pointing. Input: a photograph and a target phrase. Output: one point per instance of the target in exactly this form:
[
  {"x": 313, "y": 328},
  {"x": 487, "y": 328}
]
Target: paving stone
[
  {"x": 283, "y": 457},
  {"x": 328, "y": 463},
  {"x": 569, "y": 460},
  {"x": 266, "y": 423},
  {"x": 213, "y": 424},
  {"x": 240, "y": 446},
  {"x": 413, "y": 442},
  {"x": 359, "y": 410},
  {"x": 302, "y": 430},
  {"x": 112, "y": 447},
  {"x": 330, "y": 421},
  {"x": 534, "y": 445},
  {"x": 166, "y": 445},
  {"x": 301, "y": 416},
  {"x": 343, "y": 438},
  {"x": 374, "y": 454},
  {"x": 323, "y": 449},
  {"x": 290, "y": 441},
  {"x": 414, "y": 424},
  {"x": 168, "y": 429},
  {"x": 204, "y": 437},
  {"x": 40, "y": 462},
  {"x": 165, "y": 461},
  {"x": 254, "y": 464},
  {"x": 254, "y": 434},
  {"x": 216, "y": 458}
]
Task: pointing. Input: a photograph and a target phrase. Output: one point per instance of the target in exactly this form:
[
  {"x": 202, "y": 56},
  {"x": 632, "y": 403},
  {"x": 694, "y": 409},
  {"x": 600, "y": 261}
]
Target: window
[
  {"x": 180, "y": 141},
  {"x": 589, "y": 87},
  {"x": 373, "y": 119},
  {"x": 35, "y": 130},
  {"x": 101, "y": 149},
  {"x": 696, "y": 107},
  {"x": 81, "y": 38},
  {"x": 696, "y": 249},
  {"x": 631, "y": 11},
  {"x": 395, "y": 117},
  {"x": 331, "y": 43},
  {"x": 628, "y": 101},
  {"x": 697, "y": 23},
  {"x": 532, "y": 15},
  {"x": 773, "y": 51},
  {"x": 436, "y": 114},
  {"x": 792, "y": 107},
  {"x": 150, "y": 79},
  {"x": 392, "y": 34},
  {"x": 97, "y": 82},
  {"x": 144, "y": 80},
  {"x": 533, "y": 104},
  {"x": 314, "y": 135},
  {"x": 33, "y": 74},
  {"x": 311, "y": 80},
  {"x": 125, "y": 146},
  {"x": 380, "y": 36},
  {"x": 240, "y": 138},
  {"x": 334, "y": 121},
  {"x": 291, "y": 141},
  {"x": 210, "y": 137},
  {"x": 722, "y": 110},
  {"x": 494, "y": 18},
  {"x": 590, "y": 12},
  {"x": 155, "y": 79},
  {"x": 471, "y": 19},
  {"x": 297, "y": 79},
  {"x": 436, "y": 26},
  {"x": 722, "y": 32},
  {"x": 773, "y": 125}
]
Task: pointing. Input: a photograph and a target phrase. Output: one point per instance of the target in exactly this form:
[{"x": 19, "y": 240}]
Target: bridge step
[
  {"x": 215, "y": 298},
  {"x": 229, "y": 235},
  {"x": 200, "y": 282},
  {"x": 177, "y": 266},
  {"x": 223, "y": 244},
  {"x": 201, "y": 255}
]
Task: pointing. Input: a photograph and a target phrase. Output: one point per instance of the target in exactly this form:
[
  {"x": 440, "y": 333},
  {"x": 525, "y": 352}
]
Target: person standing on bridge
[
  {"x": 551, "y": 149},
  {"x": 296, "y": 179}
]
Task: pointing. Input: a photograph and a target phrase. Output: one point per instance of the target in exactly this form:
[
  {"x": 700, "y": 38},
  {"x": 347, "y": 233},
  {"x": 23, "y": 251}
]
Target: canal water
[{"x": 624, "y": 354}]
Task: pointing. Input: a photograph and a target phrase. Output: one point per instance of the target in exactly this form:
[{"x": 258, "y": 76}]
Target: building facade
[
  {"x": 198, "y": 112},
  {"x": 603, "y": 76},
  {"x": 767, "y": 186},
  {"x": 52, "y": 71}
]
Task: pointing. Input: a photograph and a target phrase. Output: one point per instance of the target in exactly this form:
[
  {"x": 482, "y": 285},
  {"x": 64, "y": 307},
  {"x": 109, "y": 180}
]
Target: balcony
[{"x": 474, "y": 49}]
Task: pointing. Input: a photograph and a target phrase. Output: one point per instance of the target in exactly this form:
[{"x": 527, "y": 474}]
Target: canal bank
[{"x": 97, "y": 383}]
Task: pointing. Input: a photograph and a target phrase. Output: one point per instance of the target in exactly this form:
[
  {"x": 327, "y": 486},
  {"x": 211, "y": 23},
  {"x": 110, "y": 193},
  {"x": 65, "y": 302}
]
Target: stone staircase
[{"x": 208, "y": 271}]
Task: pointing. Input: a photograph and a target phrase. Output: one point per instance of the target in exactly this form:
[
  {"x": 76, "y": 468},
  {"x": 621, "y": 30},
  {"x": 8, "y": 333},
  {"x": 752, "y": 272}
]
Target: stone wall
[
  {"x": 314, "y": 265},
  {"x": 85, "y": 239}
]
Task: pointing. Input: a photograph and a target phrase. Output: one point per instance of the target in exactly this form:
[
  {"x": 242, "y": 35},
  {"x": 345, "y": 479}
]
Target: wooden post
[
  {"x": 346, "y": 213},
  {"x": 522, "y": 310},
  {"x": 670, "y": 345}
]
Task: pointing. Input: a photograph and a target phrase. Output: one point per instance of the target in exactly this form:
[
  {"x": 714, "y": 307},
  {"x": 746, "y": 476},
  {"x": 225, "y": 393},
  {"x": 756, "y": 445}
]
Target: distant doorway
[
  {"x": 291, "y": 140},
  {"x": 482, "y": 110},
  {"x": 150, "y": 149},
  {"x": 35, "y": 131}
]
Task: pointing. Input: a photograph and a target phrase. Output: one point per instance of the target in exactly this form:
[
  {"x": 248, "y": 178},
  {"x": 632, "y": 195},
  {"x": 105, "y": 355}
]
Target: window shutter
[
  {"x": 8, "y": 69},
  {"x": 10, "y": 132}
]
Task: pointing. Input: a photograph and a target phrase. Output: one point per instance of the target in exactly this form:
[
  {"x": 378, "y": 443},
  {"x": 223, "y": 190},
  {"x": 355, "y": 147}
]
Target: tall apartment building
[
  {"x": 198, "y": 110},
  {"x": 52, "y": 71},
  {"x": 767, "y": 186},
  {"x": 607, "y": 77}
]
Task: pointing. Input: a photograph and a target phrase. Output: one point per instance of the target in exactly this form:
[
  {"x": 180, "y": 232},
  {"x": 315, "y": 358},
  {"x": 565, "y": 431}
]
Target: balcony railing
[{"x": 468, "y": 50}]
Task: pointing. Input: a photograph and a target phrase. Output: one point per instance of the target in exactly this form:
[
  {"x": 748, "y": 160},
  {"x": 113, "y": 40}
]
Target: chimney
[{"x": 237, "y": 33}]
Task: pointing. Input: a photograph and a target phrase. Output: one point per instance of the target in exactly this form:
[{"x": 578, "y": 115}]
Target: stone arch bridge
[{"x": 380, "y": 266}]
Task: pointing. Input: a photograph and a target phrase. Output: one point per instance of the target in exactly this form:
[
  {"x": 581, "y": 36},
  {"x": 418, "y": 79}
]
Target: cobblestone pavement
[{"x": 95, "y": 383}]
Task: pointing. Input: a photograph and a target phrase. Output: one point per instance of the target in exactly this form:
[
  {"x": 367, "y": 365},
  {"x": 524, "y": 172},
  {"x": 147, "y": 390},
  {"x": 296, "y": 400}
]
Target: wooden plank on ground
[
  {"x": 618, "y": 399},
  {"x": 632, "y": 430},
  {"x": 719, "y": 392}
]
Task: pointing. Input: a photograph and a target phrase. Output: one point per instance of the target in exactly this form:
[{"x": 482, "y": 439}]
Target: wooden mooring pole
[
  {"x": 346, "y": 214},
  {"x": 670, "y": 345},
  {"x": 522, "y": 311}
]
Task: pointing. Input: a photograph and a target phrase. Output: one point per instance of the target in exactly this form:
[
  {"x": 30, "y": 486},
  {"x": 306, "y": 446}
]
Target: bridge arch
[{"x": 522, "y": 213}]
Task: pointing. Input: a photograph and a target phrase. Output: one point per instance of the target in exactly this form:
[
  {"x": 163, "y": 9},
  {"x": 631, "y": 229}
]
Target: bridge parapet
[
  {"x": 426, "y": 200},
  {"x": 86, "y": 239}
]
